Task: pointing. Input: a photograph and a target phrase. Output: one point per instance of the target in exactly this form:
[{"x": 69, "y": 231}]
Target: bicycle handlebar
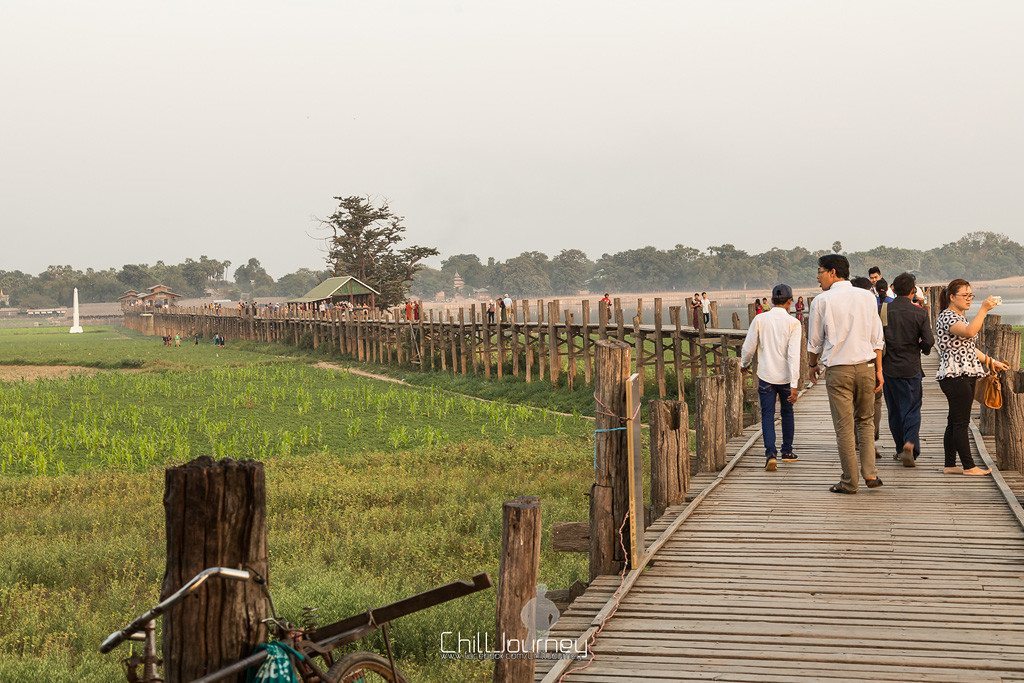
[{"x": 118, "y": 637}]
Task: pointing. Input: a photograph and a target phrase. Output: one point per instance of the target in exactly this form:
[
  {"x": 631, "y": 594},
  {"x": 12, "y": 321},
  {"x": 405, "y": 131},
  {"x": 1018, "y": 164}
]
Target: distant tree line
[
  {"x": 191, "y": 278},
  {"x": 979, "y": 255},
  {"x": 363, "y": 243}
]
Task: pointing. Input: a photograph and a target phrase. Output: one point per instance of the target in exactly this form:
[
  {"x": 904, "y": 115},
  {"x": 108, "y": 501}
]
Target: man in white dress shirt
[
  {"x": 774, "y": 337},
  {"x": 845, "y": 336}
]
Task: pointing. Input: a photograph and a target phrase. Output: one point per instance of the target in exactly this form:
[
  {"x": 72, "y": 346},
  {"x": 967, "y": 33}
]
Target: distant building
[
  {"x": 159, "y": 295},
  {"x": 128, "y": 299},
  {"x": 338, "y": 289},
  {"x": 458, "y": 284}
]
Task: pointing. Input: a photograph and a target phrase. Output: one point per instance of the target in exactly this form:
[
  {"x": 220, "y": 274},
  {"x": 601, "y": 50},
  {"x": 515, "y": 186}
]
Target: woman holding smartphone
[{"x": 961, "y": 363}]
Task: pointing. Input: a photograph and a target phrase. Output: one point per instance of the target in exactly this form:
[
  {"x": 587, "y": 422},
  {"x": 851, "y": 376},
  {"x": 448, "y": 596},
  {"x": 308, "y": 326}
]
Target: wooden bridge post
[
  {"x": 736, "y": 321},
  {"x": 659, "y": 349},
  {"x": 714, "y": 315},
  {"x": 733, "y": 398},
  {"x": 989, "y": 342},
  {"x": 609, "y": 496},
  {"x": 677, "y": 351},
  {"x": 554, "y": 359},
  {"x": 215, "y": 514},
  {"x": 517, "y": 585},
  {"x": 1009, "y": 421},
  {"x": 711, "y": 422},
  {"x": 670, "y": 454}
]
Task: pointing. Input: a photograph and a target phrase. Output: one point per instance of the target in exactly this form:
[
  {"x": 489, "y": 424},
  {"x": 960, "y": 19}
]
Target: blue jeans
[
  {"x": 903, "y": 402},
  {"x": 768, "y": 393}
]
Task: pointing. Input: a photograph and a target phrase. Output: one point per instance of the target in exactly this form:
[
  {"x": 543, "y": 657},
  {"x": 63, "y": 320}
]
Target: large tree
[
  {"x": 252, "y": 278},
  {"x": 365, "y": 242}
]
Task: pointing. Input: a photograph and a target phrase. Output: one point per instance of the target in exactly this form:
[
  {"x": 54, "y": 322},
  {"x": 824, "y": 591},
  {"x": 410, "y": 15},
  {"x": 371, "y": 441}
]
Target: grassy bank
[{"x": 375, "y": 491}]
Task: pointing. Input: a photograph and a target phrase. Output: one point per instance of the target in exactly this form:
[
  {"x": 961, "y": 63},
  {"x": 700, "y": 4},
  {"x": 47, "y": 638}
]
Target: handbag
[{"x": 989, "y": 390}]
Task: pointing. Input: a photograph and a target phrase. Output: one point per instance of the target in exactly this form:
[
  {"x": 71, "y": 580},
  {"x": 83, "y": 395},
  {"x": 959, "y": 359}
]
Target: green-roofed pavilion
[{"x": 335, "y": 289}]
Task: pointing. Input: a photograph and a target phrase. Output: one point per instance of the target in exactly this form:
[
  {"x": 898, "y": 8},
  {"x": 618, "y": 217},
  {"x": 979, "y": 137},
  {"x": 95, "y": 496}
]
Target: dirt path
[
  {"x": 324, "y": 365},
  {"x": 31, "y": 373}
]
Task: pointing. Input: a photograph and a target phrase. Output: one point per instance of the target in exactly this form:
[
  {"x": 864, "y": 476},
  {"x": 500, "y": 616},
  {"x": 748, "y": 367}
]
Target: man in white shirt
[
  {"x": 775, "y": 337},
  {"x": 845, "y": 336},
  {"x": 705, "y": 305}
]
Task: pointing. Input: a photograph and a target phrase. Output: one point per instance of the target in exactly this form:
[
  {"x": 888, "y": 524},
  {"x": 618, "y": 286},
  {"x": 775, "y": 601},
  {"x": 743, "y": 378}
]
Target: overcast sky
[{"x": 135, "y": 130}]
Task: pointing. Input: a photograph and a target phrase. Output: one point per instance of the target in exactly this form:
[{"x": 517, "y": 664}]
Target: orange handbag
[{"x": 989, "y": 390}]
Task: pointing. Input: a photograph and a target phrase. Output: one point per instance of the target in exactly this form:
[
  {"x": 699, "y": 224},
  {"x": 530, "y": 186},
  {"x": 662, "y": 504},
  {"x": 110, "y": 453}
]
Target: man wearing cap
[
  {"x": 845, "y": 336},
  {"x": 774, "y": 337}
]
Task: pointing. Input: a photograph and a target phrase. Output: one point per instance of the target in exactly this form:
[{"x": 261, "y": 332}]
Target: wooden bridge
[{"x": 769, "y": 577}]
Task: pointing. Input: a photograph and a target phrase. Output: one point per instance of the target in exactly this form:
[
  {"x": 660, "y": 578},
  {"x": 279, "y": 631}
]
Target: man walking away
[
  {"x": 908, "y": 334},
  {"x": 869, "y": 285},
  {"x": 775, "y": 338},
  {"x": 845, "y": 337}
]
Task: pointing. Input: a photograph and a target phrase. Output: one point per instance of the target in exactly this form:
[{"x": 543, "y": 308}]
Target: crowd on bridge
[{"x": 866, "y": 337}]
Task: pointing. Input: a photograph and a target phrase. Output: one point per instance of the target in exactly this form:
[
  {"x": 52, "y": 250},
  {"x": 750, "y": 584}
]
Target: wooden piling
[
  {"x": 609, "y": 500},
  {"x": 215, "y": 516},
  {"x": 670, "y": 454},
  {"x": 518, "y": 570},
  {"x": 710, "y": 422}
]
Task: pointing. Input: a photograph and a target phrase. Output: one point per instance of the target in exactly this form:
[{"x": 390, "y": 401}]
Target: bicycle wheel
[{"x": 364, "y": 667}]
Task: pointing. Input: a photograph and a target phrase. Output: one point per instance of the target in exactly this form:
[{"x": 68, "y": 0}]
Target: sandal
[{"x": 839, "y": 488}]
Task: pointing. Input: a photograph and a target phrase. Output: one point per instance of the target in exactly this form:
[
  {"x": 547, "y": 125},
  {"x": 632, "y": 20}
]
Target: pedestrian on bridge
[
  {"x": 961, "y": 363},
  {"x": 908, "y": 334},
  {"x": 775, "y": 338},
  {"x": 845, "y": 337}
]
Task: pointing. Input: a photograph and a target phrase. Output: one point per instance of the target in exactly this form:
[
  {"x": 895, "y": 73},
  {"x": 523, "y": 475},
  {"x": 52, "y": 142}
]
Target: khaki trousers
[{"x": 851, "y": 397}]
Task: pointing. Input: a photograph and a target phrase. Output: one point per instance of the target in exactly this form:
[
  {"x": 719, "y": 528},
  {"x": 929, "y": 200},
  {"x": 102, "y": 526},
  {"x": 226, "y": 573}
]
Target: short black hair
[
  {"x": 862, "y": 282},
  {"x": 836, "y": 262},
  {"x": 882, "y": 287},
  {"x": 904, "y": 284},
  {"x": 874, "y": 269}
]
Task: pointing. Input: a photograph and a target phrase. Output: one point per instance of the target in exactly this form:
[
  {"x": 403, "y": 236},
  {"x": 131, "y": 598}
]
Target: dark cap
[{"x": 782, "y": 292}]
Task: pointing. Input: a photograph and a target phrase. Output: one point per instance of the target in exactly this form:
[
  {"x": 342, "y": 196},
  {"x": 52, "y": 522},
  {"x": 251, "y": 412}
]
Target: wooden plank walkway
[{"x": 773, "y": 578}]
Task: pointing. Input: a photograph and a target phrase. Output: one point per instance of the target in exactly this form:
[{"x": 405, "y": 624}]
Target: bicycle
[{"x": 312, "y": 642}]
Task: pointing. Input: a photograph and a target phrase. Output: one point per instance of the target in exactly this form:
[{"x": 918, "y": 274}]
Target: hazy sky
[{"x": 132, "y": 131}]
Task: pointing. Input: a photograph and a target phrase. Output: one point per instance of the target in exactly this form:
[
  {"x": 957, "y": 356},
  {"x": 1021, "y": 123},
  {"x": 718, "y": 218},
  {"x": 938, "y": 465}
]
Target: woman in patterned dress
[{"x": 961, "y": 363}]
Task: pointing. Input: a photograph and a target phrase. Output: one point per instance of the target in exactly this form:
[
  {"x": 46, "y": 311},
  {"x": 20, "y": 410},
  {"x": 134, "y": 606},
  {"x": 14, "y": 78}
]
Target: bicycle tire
[{"x": 352, "y": 666}]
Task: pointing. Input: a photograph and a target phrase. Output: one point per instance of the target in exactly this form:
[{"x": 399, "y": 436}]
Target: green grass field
[{"x": 375, "y": 490}]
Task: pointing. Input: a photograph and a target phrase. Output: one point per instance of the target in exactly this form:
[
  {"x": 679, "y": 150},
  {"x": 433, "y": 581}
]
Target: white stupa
[{"x": 75, "y": 327}]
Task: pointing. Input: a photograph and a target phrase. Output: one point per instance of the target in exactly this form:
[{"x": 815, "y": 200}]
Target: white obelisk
[{"x": 75, "y": 327}]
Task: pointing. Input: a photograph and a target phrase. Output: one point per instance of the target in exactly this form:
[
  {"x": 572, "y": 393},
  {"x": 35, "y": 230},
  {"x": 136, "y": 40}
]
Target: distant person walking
[
  {"x": 845, "y": 337},
  {"x": 800, "y": 308},
  {"x": 908, "y": 334},
  {"x": 501, "y": 308},
  {"x": 758, "y": 308},
  {"x": 490, "y": 313},
  {"x": 697, "y": 308},
  {"x": 775, "y": 339},
  {"x": 874, "y": 275},
  {"x": 882, "y": 293},
  {"x": 861, "y": 282},
  {"x": 509, "y": 310},
  {"x": 705, "y": 304},
  {"x": 961, "y": 363}
]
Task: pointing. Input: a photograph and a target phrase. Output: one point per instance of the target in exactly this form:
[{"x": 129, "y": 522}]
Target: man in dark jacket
[{"x": 908, "y": 334}]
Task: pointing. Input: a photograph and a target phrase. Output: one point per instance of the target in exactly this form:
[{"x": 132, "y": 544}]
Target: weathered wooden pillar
[
  {"x": 714, "y": 315},
  {"x": 215, "y": 514},
  {"x": 659, "y": 349},
  {"x": 1009, "y": 422},
  {"x": 670, "y": 454},
  {"x": 609, "y": 496},
  {"x": 736, "y": 321},
  {"x": 733, "y": 398},
  {"x": 677, "y": 351},
  {"x": 710, "y": 422},
  {"x": 990, "y": 340},
  {"x": 588, "y": 356},
  {"x": 554, "y": 357},
  {"x": 518, "y": 571}
]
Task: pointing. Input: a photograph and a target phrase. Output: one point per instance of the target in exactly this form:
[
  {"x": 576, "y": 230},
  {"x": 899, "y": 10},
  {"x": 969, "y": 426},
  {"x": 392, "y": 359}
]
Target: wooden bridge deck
[{"x": 773, "y": 578}]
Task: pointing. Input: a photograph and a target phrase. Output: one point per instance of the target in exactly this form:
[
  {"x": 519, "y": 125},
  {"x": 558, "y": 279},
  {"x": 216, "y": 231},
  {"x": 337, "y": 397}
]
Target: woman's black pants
[{"x": 959, "y": 393}]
